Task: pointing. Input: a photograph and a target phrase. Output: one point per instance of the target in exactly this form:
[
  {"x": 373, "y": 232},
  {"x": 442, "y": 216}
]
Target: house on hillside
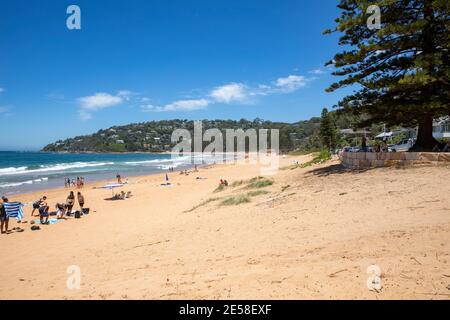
[{"x": 441, "y": 128}]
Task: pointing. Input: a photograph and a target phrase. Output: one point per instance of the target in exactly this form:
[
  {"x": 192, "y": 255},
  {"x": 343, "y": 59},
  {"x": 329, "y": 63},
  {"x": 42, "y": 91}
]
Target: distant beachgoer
[
  {"x": 80, "y": 200},
  {"x": 65, "y": 182},
  {"x": 119, "y": 179},
  {"x": 70, "y": 201},
  {"x": 225, "y": 183},
  {"x": 4, "y": 220}
]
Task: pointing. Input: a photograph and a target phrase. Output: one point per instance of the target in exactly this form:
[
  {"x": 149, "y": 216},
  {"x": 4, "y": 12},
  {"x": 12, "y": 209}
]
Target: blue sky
[{"x": 135, "y": 61}]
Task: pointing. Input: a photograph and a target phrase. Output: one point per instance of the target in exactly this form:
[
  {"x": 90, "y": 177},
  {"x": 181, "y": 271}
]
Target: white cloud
[
  {"x": 291, "y": 83},
  {"x": 126, "y": 94},
  {"x": 317, "y": 71},
  {"x": 229, "y": 93},
  {"x": 99, "y": 101},
  {"x": 84, "y": 115},
  {"x": 181, "y": 105},
  {"x": 2, "y": 89}
]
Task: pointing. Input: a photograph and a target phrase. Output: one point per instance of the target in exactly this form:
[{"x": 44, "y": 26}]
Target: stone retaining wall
[{"x": 361, "y": 160}]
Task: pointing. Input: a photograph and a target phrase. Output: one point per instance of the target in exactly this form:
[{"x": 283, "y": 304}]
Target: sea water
[{"x": 29, "y": 171}]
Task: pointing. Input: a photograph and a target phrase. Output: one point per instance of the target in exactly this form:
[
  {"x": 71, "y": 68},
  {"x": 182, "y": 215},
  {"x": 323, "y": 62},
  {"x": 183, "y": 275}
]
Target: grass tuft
[
  {"x": 204, "y": 203},
  {"x": 258, "y": 183},
  {"x": 235, "y": 200},
  {"x": 257, "y": 193}
]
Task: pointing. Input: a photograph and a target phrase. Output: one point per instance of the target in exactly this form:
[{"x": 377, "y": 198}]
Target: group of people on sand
[
  {"x": 42, "y": 207},
  {"x": 78, "y": 183},
  {"x": 223, "y": 182},
  {"x": 62, "y": 209}
]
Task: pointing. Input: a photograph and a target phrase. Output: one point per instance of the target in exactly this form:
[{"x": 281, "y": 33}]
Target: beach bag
[
  {"x": 77, "y": 214},
  {"x": 85, "y": 210}
]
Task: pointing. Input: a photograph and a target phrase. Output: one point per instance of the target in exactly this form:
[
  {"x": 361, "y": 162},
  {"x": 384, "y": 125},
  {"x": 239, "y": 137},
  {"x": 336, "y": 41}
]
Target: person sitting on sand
[
  {"x": 4, "y": 220},
  {"x": 80, "y": 200},
  {"x": 119, "y": 179},
  {"x": 70, "y": 201},
  {"x": 60, "y": 211},
  {"x": 37, "y": 204}
]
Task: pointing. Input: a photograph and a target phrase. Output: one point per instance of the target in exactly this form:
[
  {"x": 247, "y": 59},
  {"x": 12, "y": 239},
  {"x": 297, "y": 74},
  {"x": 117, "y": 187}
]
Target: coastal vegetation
[{"x": 401, "y": 68}]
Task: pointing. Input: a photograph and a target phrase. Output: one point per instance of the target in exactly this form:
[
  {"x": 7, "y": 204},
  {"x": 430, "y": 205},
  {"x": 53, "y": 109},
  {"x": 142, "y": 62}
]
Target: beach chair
[{"x": 14, "y": 210}]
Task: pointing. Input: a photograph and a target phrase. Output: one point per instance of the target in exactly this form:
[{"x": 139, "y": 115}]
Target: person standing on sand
[
  {"x": 70, "y": 201},
  {"x": 4, "y": 220},
  {"x": 80, "y": 198}
]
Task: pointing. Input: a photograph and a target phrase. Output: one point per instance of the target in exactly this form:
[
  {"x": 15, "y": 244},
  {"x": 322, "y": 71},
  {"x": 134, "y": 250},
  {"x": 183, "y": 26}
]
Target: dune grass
[
  {"x": 220, "y": 188},
  {"x": 319, "y": 157},
  {"x": 258, "y": 183},
  {"x": 204, "y": 203},
  {"x": 257, "y": 193},
  {"x": 235, "y": 200}
]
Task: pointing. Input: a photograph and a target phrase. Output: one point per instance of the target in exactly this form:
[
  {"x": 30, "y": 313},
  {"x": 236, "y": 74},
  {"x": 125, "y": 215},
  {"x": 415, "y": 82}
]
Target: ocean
[{"x": 22, "y": 172}]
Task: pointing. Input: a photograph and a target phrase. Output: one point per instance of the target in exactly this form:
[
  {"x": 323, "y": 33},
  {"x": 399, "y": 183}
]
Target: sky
[{"x": 136, "y": 61}]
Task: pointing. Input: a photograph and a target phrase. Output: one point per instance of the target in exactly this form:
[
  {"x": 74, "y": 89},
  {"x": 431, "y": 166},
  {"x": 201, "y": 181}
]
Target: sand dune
[{"x": 312, "y": 236}]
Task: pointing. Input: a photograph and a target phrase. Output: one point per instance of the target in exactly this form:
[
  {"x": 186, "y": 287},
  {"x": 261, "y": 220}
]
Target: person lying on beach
[{"x": 4, "y": 220}]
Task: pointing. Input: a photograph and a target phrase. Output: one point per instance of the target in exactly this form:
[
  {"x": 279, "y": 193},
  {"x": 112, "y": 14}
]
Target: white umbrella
[{"x": 112, "y": 186}]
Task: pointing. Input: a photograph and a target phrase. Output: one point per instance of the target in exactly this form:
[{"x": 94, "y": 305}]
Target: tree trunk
[{"x": 425, "y": 140}]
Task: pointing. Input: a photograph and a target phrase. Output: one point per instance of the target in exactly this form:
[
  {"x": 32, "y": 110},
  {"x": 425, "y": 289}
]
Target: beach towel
[
  {"x": 50, "y": 221},
  {"x": 14, "y": 210}
]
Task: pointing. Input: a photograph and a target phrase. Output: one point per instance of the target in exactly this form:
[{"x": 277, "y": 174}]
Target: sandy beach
[{"x": 312, "y": 235}]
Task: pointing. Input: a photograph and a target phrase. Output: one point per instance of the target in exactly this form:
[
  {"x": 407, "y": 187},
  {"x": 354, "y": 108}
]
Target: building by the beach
[{"x": 441, "y": 128}]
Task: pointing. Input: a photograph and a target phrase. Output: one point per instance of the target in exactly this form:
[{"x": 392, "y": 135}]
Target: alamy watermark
[
  {"x": 74, "y": 279},
  {"x": 374, "y": 20},
  {"x": 73, "y": 22},
  {"x": 257, "y": 151},
  {"x": 374, "y": 278}
]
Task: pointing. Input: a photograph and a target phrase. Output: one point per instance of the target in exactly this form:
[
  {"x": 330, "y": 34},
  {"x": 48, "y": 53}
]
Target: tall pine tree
[
  {"x": 327, "y": 130},
  {"x": 401, "y": 71}
]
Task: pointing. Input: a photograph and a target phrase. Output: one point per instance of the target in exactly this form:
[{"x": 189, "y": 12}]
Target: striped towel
[{"x": 14, "y": 210}]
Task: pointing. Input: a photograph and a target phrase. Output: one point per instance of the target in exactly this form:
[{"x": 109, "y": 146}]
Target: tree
[
  {"x": 327, "y": 130},
  {"x": 401, "y": 71}
]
